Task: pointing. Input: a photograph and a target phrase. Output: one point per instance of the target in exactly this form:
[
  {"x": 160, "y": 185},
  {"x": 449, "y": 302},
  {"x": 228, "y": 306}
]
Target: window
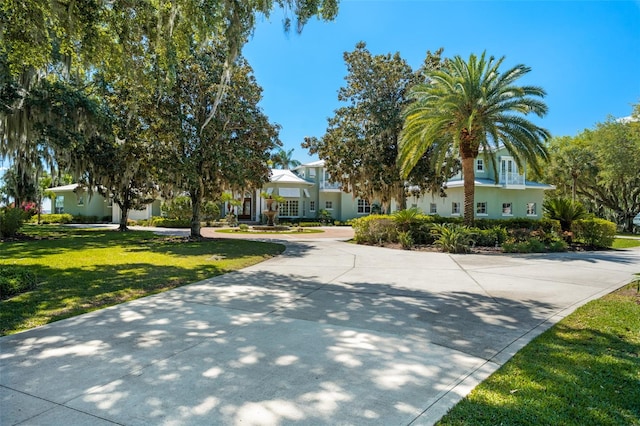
[
  {"x": 312, "y": 174},
  {"x": 81, "y": 200},
  {"x": 433, "y": 208},
  {"x": 363, "y": 206},
  {"x": 481, "y": 208},
  {"x": 506, "y": 209},
  {"x": 531, "y": 209},
  {"x": 312, "y": 206},
  {"x": 109, "y": 202},
  {"x": 59, "y": 207},
  {"x": 480, "y": 165},
  {"x": 289, "y": 208},
  {"x": 328, "y": 205},
  {"x": 455, "y": 208}
]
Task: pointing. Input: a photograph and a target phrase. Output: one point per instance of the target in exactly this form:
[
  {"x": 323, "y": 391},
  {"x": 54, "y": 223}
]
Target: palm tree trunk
[{"x": 468, "y": 174}]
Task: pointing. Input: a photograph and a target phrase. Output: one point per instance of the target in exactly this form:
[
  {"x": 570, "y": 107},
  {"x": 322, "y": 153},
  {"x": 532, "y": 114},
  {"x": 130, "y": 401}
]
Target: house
[
  {"x": 511, "y": 196},
  {"x": 75, "y": 200},
  {"x": 308, "y": 190}
]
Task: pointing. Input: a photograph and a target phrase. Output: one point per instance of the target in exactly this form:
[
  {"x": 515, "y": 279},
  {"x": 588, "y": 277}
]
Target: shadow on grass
[{"x": 569, "y": 376}]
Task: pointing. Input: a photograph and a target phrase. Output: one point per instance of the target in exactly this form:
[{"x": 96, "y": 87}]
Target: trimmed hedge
[
  {"x": 15, "y": 280},
  {"x": 54, "y": 218},
  {"x": 594, "y": 232},
  {"x": 164, "y": 222},
  {"x": 375, "y": 229}
]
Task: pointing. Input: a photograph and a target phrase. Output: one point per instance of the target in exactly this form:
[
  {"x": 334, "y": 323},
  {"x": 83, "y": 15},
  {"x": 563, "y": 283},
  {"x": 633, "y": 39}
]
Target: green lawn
[
  {"x": 583, "y": 371},
  {"x": 80, "y": 270},
  {"x": 621, "y": 243}
]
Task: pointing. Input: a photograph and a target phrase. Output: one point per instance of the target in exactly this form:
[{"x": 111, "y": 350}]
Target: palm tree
[
  {"x": 284, "y": 159},
  {"x": 470, "y": 106}
]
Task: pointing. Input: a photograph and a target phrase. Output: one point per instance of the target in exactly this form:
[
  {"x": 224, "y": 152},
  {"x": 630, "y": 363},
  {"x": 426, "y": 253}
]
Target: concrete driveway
[{"x": 327, "y": 333}]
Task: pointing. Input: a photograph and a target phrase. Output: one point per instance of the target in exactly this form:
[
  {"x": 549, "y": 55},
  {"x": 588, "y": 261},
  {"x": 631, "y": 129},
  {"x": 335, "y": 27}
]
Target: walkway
[{"x": 327, "y": 333}]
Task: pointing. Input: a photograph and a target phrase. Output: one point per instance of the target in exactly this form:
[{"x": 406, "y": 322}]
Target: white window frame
[
  {"x": 507, "y": 206},
  {"x": 480, "y": 165},
  {"x": 312, "y": 206},
  {"x": 58, "y": 205},
  {"x": 532, "y": 209},
  {"x": 328, "y": 205},
  {"x": 455, "y": 208},
  {"x": 433, "y": 208},
  {"x": 287, "y": 207},
  {"x": 482, "y": 205},
  {"x": 363, "y": 206}
]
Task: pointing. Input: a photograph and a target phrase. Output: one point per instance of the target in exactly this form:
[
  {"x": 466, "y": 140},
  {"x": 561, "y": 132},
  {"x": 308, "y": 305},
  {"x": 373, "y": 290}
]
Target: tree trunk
[
  {"x": 468, "y": 174},
  {"x": 124, "y": 217},
  {"x": 196, "y": 203}
]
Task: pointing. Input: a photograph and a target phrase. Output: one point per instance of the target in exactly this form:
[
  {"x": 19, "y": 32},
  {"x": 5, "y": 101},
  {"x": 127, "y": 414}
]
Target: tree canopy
[
  {"x": 232, "y": 151},
  {"x": 469, "y": 105},
  {"x": 55, "y": 57},
  {"x": 601, "y": 166},
  {"x": 360, "y": 146}
]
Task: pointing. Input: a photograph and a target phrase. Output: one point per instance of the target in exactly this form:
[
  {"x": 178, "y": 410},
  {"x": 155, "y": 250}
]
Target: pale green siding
[{"x": 79, "y": 203}]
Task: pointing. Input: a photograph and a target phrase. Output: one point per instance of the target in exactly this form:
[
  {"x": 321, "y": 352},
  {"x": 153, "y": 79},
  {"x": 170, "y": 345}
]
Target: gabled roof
[{"x": 286, "y": 176}]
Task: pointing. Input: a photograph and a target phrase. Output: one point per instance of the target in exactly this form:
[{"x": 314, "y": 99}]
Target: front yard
[{"x": 80, "y": 270}]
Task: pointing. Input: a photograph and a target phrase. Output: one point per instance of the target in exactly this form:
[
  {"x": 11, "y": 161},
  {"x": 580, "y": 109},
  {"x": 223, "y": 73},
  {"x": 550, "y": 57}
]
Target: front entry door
[{"x": 245, "y": 214}]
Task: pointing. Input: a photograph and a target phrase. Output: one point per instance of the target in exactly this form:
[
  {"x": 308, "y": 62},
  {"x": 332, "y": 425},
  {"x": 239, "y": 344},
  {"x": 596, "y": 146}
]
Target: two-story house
[
  {"x": 512, "y": 195},
  {"x": 308, "y": 189}
]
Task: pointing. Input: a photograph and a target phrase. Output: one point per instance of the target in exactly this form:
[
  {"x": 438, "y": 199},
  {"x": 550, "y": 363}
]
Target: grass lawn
[
  {"x": 583, "y": 371},
  {"x": 80, "y": 270},
  {"x": 621, "y": 243}
]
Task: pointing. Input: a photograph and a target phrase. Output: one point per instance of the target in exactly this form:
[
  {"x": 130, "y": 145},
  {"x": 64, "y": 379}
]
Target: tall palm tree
[
  {"x": 284, "y": 159},
  {"x": 468, "y": 106}
]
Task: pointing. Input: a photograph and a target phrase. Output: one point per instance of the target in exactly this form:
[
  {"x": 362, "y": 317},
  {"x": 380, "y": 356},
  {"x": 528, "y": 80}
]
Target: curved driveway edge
[{"x": 326, "y": 333}]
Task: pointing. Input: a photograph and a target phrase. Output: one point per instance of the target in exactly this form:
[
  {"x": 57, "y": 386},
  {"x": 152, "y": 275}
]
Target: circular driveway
[{"x": 326, "y": 333}]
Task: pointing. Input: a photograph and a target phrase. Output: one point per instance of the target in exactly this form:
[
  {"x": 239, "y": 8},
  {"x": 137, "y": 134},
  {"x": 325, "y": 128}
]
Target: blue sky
[{"x": 585, "y": 54}]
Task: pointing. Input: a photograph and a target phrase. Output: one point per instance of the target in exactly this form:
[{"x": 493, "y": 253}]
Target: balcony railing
[
  {"x": 329, "y": 185},
  {"x": 511, "y": 178}
]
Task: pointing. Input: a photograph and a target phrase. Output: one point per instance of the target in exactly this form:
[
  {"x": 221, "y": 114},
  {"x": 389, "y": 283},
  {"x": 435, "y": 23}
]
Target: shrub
[
  {"x": 244, "y": 227},
  {"x": 309, "y": 224},
  {"x": 11, "y": 220},
  {"x": 177, "y": 208},
  {"x": 564, "y": 210},
  {"x": 405, "y": 218},
  {"x": 491, "y": 237},
  {"x": 405, "y": 240},
  {"x": 529, "y": 246},
  {"x": 164, "y": 222},
  {"x": 375, "y": 229},
  {"x": 453, "y": 238},
  {"x": 15, "y": 280},
  {"x": 594, "y": 232},
  {"x": 417, "y": 224},
  {"x": 56, "y": 218},
  {"x": 325, "y": 217},
  {"x": 210, "y": 212}
]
